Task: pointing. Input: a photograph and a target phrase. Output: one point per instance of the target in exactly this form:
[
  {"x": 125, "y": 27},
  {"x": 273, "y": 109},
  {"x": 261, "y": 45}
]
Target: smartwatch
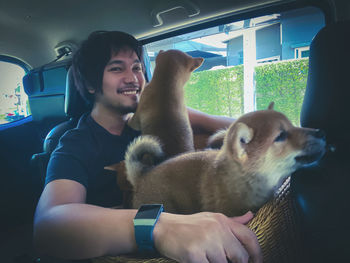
[{"x": 144, "y": 222}]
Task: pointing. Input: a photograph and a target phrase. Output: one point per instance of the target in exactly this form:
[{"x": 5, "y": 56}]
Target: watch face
[{"x": 148, "y": 211}]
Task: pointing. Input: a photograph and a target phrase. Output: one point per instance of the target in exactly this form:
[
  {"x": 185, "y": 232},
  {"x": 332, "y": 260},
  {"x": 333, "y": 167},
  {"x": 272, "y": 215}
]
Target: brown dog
[
  {"x": 161, "y": 111},
  {"x": 260, "y": 150}
]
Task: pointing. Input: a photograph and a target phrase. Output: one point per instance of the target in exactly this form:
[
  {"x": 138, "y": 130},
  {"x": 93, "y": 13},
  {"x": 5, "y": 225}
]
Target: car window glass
[
  {"x": 249, "y": 63},
  {"x": 13, "y": 100}
]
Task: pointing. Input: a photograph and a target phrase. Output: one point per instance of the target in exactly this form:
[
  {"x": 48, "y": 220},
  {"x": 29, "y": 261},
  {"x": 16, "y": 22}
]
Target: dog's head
[
  {"x": 266, "y": 142},
  {"x": 178, "y": 63}
]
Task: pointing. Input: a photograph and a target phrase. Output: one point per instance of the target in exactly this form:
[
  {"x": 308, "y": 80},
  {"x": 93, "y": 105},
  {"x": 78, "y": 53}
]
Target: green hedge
[
  {"x": 284, "y": 83},
  {"x": 220, "y": 92}
]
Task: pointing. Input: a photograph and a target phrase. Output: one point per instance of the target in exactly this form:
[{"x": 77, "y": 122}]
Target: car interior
[{"x": 39, "y": 101}]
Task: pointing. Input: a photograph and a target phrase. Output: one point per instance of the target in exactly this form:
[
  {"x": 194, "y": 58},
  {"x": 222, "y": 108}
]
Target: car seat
[
  {"x": 74, "y": 107},
  {"x": 321, "y": 191}
]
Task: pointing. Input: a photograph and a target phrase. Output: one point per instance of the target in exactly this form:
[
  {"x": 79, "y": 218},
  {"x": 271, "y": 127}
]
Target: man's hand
[{"x": 206, "y": 237}]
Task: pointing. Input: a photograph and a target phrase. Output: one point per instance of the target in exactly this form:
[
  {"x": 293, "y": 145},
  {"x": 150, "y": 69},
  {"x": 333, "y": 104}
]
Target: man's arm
[
  {"x": 207, "y": 124},
  {"x": 66, "y": 227}
]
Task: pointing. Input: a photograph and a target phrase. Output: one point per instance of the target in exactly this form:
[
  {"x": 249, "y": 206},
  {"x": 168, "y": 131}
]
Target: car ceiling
[{"x": 30, "y": 30}]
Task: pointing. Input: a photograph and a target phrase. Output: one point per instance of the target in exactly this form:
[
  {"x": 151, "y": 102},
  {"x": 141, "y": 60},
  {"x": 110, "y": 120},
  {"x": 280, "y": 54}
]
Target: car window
[
  {"x": 249, "y": 63},
  {"x": 13, "y": 100}
]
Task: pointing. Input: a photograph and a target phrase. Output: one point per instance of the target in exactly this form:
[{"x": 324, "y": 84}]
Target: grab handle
[{"x": 190, "y": 8}]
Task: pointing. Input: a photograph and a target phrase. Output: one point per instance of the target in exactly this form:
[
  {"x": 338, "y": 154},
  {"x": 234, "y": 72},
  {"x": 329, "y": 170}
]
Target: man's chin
[{"x": 126, "y": 109}]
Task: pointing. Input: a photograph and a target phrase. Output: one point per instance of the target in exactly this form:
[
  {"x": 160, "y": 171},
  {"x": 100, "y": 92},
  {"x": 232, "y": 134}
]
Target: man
[{"x": 73, "y": 219}]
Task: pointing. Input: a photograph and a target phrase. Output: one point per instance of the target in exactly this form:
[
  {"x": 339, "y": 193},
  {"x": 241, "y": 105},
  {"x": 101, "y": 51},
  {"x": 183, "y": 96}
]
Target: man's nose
[{"x": 130, "y": 76}]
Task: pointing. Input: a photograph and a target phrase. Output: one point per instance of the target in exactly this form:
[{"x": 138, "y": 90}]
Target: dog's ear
[
  {"x": 271, "y": 105},
  {"x": 238, "y": 136},
  {"x": 160, "y": 52},
  {"x": 197, "y": 62}
]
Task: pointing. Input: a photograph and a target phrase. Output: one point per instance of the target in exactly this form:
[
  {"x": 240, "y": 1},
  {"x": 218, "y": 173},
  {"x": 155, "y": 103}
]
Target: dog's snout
[{"x": 319, "y": 134}]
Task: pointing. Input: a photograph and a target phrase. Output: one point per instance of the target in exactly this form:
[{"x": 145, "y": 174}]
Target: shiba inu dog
[
  {"x": 259, "y": 151},
  {"x": 161, "y": 111}
]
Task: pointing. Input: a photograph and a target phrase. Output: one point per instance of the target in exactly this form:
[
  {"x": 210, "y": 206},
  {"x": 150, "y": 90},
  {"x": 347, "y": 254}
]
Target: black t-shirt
[{"x": 81, "y": 155}]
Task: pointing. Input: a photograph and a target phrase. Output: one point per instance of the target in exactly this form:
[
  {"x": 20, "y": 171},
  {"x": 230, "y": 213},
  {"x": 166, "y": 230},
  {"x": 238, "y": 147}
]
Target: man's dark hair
[{"x": 93, "y": 55}]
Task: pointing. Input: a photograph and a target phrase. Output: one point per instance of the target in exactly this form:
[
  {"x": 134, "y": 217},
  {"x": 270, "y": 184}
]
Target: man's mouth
[{"x": 129, "y": 91}]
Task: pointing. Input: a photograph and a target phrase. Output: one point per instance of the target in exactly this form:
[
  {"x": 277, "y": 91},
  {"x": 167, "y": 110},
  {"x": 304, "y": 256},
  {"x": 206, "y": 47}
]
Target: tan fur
[
  {"x": 161, "y": 111},
  {"x": 124, "y": 185},
  {"x": 243, "y": 175},
  {"x": 216, "y": 140}
]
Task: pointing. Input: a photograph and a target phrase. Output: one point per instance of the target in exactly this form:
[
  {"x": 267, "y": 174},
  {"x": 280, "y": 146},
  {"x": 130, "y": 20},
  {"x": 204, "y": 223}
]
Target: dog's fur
[
  {"x": 161, "y": 111},
  {"x": 260, "y": 150}
]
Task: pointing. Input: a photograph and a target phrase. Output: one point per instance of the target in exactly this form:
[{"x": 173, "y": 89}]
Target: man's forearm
[
  {"x": 79, "y": 231},
  {"x": 205, "y": 123}
]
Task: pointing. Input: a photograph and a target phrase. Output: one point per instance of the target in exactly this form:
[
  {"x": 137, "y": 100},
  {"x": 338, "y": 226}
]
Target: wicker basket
[{"x": 276, "y": 228}]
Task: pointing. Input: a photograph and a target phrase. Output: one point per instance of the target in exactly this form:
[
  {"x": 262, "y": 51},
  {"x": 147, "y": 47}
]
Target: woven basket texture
[{"x": 275, "y": 225}]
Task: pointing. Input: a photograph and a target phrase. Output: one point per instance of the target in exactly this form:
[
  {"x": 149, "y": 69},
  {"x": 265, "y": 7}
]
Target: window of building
[
  {"x": 13, "y": 100},
  {"x": 302, "y": 52},
  {"x": 249, "y": 63}
]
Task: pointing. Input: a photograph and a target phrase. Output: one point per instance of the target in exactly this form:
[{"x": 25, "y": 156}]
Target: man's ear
[
  {"x": 91, "y": 90},
  {"x": 197, "y": 62},
  {"x": 238, "y": 136}
]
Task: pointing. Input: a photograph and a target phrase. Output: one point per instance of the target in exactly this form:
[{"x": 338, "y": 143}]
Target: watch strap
[
  {"x": 144, "y": 226},
  {"x": 144, "y": 238}
]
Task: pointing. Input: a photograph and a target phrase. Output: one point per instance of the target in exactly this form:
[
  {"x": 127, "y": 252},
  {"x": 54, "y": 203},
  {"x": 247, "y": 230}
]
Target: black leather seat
[
  {"x": 74, "y": 107},
  {"x": 321, "y": 192}
]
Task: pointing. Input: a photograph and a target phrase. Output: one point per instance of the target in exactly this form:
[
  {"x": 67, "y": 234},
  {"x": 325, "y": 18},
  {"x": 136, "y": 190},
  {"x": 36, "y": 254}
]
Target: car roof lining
[{"x": 32, "y": 29}]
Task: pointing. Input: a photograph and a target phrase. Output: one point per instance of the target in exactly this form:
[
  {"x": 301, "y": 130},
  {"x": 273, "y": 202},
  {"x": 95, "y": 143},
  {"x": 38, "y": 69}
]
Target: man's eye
[
  {"x": 137, "y": 68},
  {"x": 115, "y": 69},
  {"x": 281, "y": 137}
]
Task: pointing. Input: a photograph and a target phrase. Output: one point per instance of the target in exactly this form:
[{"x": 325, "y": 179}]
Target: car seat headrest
[
  {"x": 75, "y": 105},
  {"x": 326, "y": 102},
  {"x": 45, "y": 87}
]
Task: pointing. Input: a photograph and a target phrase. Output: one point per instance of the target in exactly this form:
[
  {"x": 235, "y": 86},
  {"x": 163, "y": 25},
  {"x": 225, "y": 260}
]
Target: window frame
[
  {"x": 268, "y": 59},
  {"x": 16, "y": 61},
  {"x": 298, "y": 51},
  {"x": 243, "y": 15},
  {"x": 234, "y": 17},
  {"x": 251, "y": 95},
  {"x": 26, "y": 68}
]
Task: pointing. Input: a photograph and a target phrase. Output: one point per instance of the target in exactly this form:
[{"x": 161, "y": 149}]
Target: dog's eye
[{"x": 281, "y": 137}]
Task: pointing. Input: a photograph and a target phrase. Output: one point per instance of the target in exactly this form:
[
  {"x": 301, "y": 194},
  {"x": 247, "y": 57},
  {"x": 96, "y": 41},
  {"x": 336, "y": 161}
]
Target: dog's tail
[{"x": 141, "y": 155}]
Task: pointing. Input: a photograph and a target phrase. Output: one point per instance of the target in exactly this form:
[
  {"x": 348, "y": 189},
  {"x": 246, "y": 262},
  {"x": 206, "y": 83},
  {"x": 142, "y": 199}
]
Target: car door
[{"x": 21, "y": 135}]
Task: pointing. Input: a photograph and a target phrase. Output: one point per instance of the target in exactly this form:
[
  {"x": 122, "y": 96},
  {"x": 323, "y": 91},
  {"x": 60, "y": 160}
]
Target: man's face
[{"x": 122, "y": 82}]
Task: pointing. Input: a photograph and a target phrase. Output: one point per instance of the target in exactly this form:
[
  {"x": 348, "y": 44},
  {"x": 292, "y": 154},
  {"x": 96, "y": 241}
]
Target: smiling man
[
  {"x": 123, "y": 80},
  {"x": 73, "y": 219}
]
